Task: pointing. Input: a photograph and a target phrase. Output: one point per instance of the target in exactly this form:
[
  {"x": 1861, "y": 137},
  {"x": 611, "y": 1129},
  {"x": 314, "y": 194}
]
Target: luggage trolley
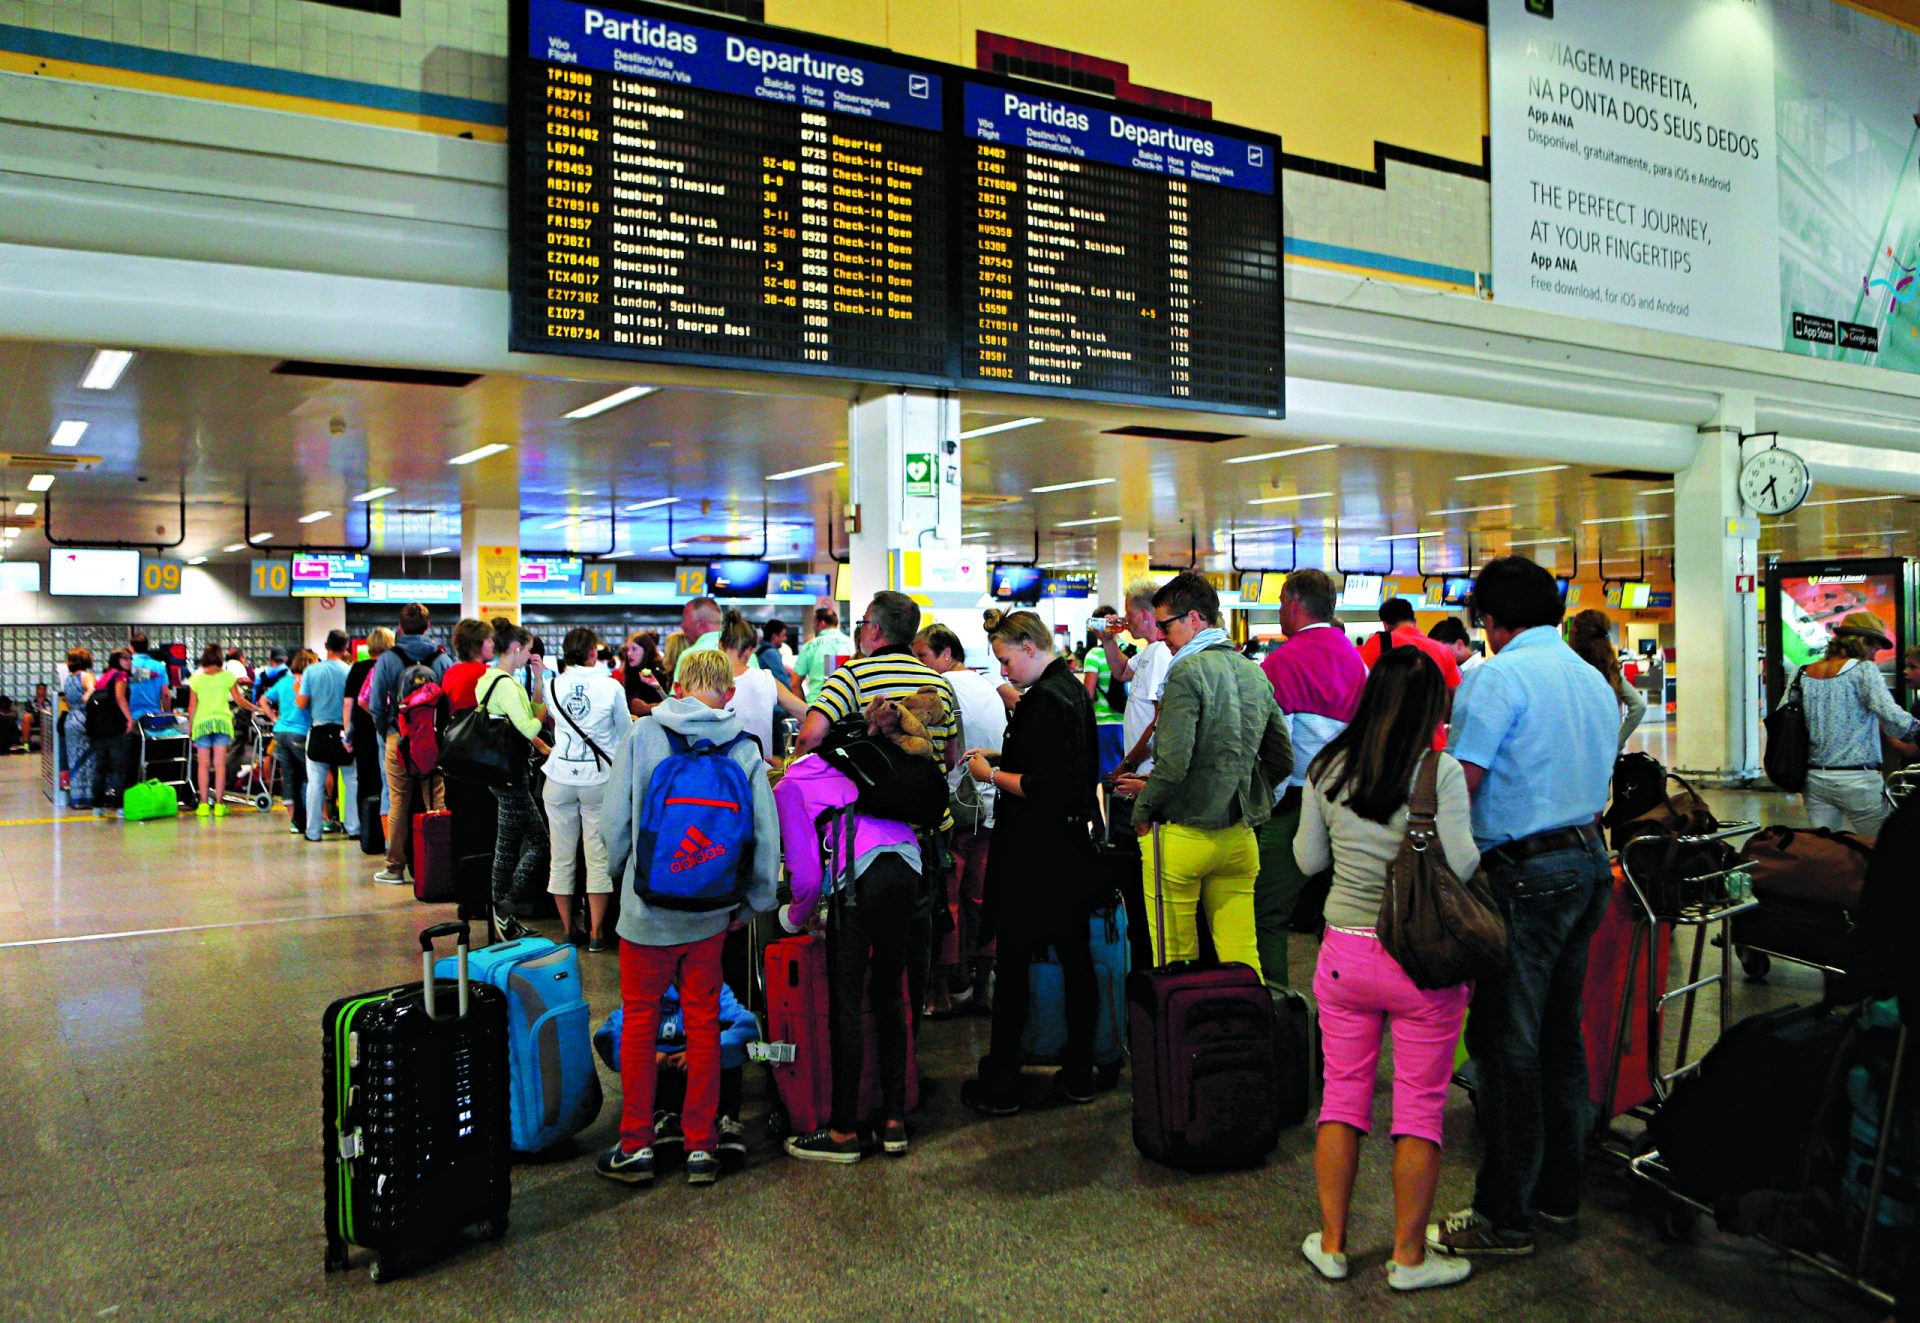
[
  {"x": 166, "y": 754},
  {"x": 1666, "y": 891},
  {"x": 253, "y": 785}
]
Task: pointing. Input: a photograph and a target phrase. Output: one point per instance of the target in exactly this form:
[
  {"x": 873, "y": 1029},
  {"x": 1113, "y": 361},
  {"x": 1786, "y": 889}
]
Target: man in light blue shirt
[
  {"x": 323, "y": 692},
  {"x": 1535, "y": 729}
]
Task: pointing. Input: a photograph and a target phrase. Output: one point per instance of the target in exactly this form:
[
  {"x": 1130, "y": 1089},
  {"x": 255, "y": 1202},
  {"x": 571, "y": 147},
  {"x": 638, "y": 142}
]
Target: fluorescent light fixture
[
  {"x": 560, "y": 523},
  {"x": 1082, "y": 523},
  {"x": 375, "y": 493},
  {"x": 809, "y": 469},
  {"x": 972, "y": 537},
  {"x": 1280, "y": 454},
  {"x": 1658, "y": 491},
  {"x": 1629, "y": 519},
  {"x": 103, "y": 373},
  {"x": 1409, "y": 537},
  {"x": 1540, "y": 542},
  {"x": 1283, "y": 500},
  {"x": 436, "y": 551},
  {"x": 196, "y": 560},
  {"x": 9, "y": 533},
  {"x": 315, "y": 516},
  {"x": 1073, "y": 486},
  {"x": 1627, "y": 551},
  {"x": 991, "y": 428},
  {"x": 1854, "y": 500},
  {"x": 1511, "y": 473},
  {"x": 613, "y": 401},
  {"x": 26, "y": 508},
  {"x": 666, "y": 549},
  {"x": 40, "y": 482},
  {"x": 1469, "y": 509},
  {"x": 68, "y": 432},
  {"x": 1872, "y": 532},
  {"x": 654, "y": 504},
  {"x": 258, "y": 538},
  {"x": 234, "y": 546},
  {"x": 616, "y": 555},
  {"x": 478, "y": 453}
]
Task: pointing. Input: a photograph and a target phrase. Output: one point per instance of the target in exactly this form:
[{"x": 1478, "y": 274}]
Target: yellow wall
[{"x": 1330, "y": 76}]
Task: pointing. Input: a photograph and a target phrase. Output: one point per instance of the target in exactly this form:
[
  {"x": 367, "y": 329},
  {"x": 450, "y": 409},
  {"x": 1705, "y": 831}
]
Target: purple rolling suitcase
[{"x": 1205, "y": 1078}]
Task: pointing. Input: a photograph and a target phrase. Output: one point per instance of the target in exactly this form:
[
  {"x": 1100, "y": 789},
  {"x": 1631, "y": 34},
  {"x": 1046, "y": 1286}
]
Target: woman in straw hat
[{"x": 1848, "y": 707}]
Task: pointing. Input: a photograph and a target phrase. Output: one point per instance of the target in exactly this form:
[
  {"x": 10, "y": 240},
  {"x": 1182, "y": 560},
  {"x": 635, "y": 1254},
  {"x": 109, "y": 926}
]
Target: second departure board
[
  {"x": 708, "y": 194},
  {"x": 726, "y": 194},
  {"x": 1106, "y": 254}
]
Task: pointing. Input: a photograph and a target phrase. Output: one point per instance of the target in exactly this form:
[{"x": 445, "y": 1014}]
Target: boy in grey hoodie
[{"x": 662, "y": 947}]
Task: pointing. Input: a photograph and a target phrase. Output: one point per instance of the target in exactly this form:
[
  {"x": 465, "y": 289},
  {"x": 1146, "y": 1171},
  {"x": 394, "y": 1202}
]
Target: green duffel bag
[{"x": 150, "y": 799}]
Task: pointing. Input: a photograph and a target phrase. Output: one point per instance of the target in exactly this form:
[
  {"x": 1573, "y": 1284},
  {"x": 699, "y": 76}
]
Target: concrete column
[
  {"x": 904, "y": 451},
  {"x": 1120, "y": 554},
  {"x": 489, "y": 562},
  {"x": 318, "y": 615},
  {"x": 1717, "y": 629}
]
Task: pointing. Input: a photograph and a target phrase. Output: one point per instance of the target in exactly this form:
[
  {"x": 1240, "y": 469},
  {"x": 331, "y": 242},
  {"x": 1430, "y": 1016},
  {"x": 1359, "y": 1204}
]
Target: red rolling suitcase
[
  {"x": 798, "y": 1043},
  {"x": 433, "y": 867},
  {"x": 1608, "y": 983},
  {"x": 1206, "y": 1088}
]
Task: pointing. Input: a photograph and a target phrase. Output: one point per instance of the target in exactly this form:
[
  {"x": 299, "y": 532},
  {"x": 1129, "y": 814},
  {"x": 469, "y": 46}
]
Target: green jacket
[{"x": 1220, "y": 745}]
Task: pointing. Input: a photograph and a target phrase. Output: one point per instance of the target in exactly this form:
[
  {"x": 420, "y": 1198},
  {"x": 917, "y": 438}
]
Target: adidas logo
[{"x": 695, "y": 848}]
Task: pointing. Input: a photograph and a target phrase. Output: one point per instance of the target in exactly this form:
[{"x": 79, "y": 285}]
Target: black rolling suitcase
[
  {"x": 415, "y": 1116},
  {"x": 373, "y": 833}
]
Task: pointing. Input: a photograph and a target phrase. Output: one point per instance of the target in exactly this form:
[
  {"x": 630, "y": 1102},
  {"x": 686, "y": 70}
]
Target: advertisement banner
[{"x": 1635, "y": 170}]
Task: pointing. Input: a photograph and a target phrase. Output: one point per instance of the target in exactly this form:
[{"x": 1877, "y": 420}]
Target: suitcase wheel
[
  {"x": 263, "y": 802},
  {"x": 495, "y": 1229},
  {"x": 779, "y": 1124},
  {"x": 378, "y": 1272},
  {"x": 1754, "y": 963}
]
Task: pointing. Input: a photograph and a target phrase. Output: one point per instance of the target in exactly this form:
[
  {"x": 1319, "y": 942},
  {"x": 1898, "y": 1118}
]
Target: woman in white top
[
  {"x": 590, "y": 718},
  {"x": 1353, "y": 817},
  {"x": 1848, "y": 708},
  {"x": 755, "y": 692},
  {"x": 963, "y": 963}
]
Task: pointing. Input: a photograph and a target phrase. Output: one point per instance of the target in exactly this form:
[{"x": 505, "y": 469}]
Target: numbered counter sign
[
  {"x": 270, "y": 578},
  {"x": 159, "y": 576}
]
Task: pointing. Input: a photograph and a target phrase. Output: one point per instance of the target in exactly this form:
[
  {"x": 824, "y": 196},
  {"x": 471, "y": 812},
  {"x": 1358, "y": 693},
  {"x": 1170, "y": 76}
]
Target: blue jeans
[
  {"x": 1526, "y": 1041},
  {"x": 316, "y": 816},
  {"x": 291, "y": 753}
]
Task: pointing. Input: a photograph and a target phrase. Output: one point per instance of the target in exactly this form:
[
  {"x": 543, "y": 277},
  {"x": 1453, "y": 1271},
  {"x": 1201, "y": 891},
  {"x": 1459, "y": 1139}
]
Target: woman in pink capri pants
[{"x": 1353, "y": 818}]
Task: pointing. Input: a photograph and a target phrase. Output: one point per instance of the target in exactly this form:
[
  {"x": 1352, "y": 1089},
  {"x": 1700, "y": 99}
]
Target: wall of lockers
[{"x": 30, "y": 654}]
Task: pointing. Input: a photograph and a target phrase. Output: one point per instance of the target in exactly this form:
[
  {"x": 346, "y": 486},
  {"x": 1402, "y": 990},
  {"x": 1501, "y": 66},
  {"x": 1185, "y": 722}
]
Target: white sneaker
[
  {"x": 1331, "y": 1266},
  {"x": 1437, "y": 1270},
  {"x": 393, "y": 877}
]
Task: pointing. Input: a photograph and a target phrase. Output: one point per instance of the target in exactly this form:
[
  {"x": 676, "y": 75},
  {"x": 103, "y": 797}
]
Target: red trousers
[{"x": 646, "y": 972}]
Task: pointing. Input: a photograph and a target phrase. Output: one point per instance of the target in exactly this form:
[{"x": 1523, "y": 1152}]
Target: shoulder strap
[
  {"x": 599, "y": 755},
  {"x": 1423, "y": 800}
]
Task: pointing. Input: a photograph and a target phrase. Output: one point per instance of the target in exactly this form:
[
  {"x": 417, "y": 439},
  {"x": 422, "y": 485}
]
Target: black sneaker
[
  {"x": 509, "y": 928},
  {"x": 666, "y": 1130},
  {"x": 1069, "y": 1089},
  {"x": 893, "y": 1138},
  {"x": 1567, "y": 1224},
  {"x": 733, "y": 1144},
  {"x": 616, "y": 1164},
  {"x": 600, "y": 945},
  {"x": 702, "y": 1168},
  {"x": 1468, "y": 1234},
  {"x": 821, "y": 1146},
  {"x": 974, "y": 1094}
]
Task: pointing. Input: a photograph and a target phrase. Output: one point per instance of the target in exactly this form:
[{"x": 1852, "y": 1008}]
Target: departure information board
[
  {"x": 1106, "y": 254},
  {"x": 694, "y": 193},
  {"x": 725, "y": 194}
]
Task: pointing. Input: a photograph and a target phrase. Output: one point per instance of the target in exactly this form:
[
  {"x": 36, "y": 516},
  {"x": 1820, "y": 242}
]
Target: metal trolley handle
[{"x": 461, "y": 941}]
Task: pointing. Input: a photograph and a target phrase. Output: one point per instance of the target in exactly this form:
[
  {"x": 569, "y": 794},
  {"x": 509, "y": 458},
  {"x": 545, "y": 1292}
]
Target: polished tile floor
[{"x": 160, "y": 992}]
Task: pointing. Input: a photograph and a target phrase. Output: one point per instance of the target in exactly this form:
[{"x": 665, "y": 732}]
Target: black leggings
[
  {"x": 867, "y": 950},
  {"x": 1024, "y": 938},
  {"x": 519, "y": 847}
]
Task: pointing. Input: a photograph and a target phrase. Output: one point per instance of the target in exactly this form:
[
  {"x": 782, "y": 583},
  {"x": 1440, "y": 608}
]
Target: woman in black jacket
[{"x": 1036, "y": 893}]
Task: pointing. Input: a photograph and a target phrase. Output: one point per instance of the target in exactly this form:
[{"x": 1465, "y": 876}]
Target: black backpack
[
  {"x": 101, "y": 714},
  {"x": 890, "y": 782},
  {"x": 1639, "y": 784}
]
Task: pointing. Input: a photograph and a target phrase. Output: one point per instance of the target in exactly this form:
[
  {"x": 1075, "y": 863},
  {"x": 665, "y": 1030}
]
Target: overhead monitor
[
  {"x": 1634, "y": 595},
  {"x": 1016, "y": 583},
  {"x": 1563, "y": 584},
  {"x": 326, "y": 574},
  {"x": 551, "y": 578},
  {"x": 78, "y": 572},
  {"x": 1361, "y": 591},
  {"x": 1455, "y": 589},
  {"x": 737, "y": 578}
]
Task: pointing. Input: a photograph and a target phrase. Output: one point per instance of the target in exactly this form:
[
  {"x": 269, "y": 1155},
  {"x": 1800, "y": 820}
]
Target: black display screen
[
  {"x": 726, "y": 194},
  {"x": 710, "y": 192}
]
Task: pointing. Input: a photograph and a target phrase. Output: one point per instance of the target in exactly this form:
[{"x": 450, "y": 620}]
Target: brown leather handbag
[
  {"x": 1442, "y": 929},
  {"x": 1814, "y": 865}
]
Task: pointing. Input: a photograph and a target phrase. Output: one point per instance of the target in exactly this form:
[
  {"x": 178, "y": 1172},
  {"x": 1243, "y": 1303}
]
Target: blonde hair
[
  {"x": 707, "y": 671},
  {"x": 1015, "y": 627},
  {"x": 670, "y": 650},
  {"x": 379, "y": 641}
]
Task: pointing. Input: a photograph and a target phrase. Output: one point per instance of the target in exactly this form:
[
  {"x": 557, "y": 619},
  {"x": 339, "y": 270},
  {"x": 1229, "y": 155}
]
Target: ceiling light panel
[
  {"x": 375, "y": 493},
  {"x": 807, "y": 471},
  {"x": 654, "y": 504},
  {"x": 613, "y": 401},
  {"x": 315, "y": 516},
  {"x": 68, "y": 432},
  {"x": 1285, "y": 500},
  {"x": 991, "y": 428},
  {"x": 103, "y": 372},
  {"x": 1468, "y": 509},
  {"x": 40, "y": 482},
  {"x": 1073, "y": 486},
  {"x": 1083, "y": 523},
  {"x": 478, "y": 453},
  {"x": 1281, "y": 454},
  {"x": 1511, "y": 473}
]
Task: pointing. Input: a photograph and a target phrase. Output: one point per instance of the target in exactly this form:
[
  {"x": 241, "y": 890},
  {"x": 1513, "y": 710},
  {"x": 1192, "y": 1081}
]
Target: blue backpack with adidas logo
[{"x": 693, "y": 848}]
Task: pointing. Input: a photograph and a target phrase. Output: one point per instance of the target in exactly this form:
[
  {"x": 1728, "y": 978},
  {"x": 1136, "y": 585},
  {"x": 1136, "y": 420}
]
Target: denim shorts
[{"x": 213, "y": 741}]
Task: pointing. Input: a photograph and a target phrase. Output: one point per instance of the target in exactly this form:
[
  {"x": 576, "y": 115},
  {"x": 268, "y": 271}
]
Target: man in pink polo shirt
[{"x": 1317, "y": 676}]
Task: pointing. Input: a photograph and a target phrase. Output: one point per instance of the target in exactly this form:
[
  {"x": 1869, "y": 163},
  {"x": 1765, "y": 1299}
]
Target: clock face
[{"x": 1775, "y": 481}]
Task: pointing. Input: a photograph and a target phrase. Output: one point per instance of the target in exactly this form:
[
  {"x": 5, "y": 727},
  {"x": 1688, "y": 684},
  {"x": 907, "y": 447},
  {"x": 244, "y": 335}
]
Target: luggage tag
[{"x": 777, "y": 1054}]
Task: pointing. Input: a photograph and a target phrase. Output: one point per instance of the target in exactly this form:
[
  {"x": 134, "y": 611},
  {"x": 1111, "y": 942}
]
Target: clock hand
[{"x": 1772, "y": 483}]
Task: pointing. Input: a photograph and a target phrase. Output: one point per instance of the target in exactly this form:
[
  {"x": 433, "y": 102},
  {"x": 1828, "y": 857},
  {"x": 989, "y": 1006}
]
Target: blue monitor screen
[
  {"x": 1016, "y": 583},
  {"x": 737, "y": 578},
  {"x": 1456, "y": 589}
]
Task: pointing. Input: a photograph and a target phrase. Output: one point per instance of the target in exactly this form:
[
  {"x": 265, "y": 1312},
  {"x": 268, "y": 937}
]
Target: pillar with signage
[
  {"x": 904, "y": 450},
  {"x": 1120, "y": 557},
  {"x": 1716, "y": 611},
  {"x": 489, "y": 562}
]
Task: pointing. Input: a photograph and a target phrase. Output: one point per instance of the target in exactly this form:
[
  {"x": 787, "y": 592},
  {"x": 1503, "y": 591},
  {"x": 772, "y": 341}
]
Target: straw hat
[{"x": 1867, "y": 625}]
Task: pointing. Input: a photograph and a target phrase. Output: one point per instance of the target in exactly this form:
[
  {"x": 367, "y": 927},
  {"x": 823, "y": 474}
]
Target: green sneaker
[
  {"x": 205, "y": 810},
  {"x": 219, "y": 810}
]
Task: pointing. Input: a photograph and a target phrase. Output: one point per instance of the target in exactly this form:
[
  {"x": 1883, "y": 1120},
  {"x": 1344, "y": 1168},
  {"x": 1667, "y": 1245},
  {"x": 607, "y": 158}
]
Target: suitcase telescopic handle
[{"x": 461, "y": 940}]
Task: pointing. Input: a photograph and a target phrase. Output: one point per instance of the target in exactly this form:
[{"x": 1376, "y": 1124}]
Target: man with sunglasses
[
  {"x": 1535, "y": 729},
  {"x": 1220, "y": 747}
]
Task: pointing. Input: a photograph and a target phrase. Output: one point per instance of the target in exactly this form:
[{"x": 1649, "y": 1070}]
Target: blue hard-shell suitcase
[
  {"x": 1045, "y": 1038},
  {"x": 554, "y": 1089}
]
